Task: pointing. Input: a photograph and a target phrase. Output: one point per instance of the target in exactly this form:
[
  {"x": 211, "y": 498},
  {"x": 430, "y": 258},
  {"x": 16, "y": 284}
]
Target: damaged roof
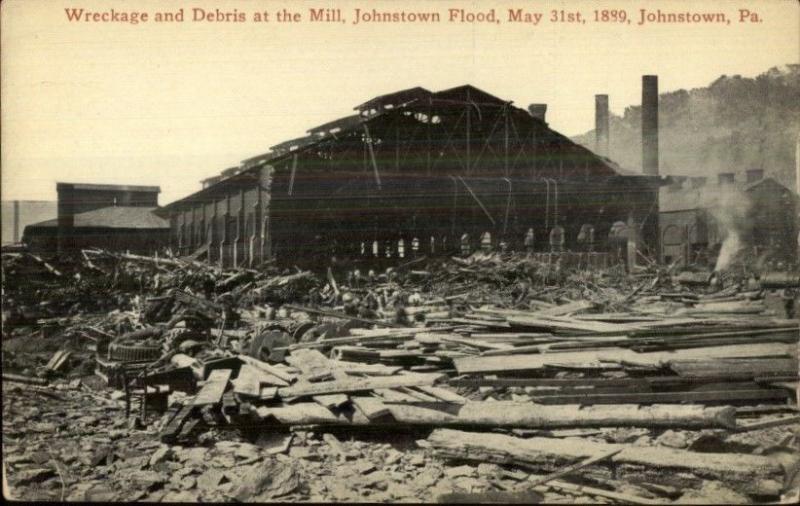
[
  {"x": 396, "y": 99},
  {"x": 338, "y": 124}
]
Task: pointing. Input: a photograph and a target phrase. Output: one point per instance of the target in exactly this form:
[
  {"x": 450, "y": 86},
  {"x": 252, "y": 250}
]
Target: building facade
[
  {"x": 697, "y": 216},
  {"x": 114, "y": 217}
]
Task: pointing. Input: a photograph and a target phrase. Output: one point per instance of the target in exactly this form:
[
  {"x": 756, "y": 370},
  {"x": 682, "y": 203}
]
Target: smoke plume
[{"x": 729, "y": 208}]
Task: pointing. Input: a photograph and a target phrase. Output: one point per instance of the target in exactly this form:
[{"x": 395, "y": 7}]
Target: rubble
[{"x": 495, "y": 377}]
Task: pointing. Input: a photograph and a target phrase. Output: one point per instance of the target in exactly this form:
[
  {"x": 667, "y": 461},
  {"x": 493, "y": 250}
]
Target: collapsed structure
[{"x": 432, "y": 172}]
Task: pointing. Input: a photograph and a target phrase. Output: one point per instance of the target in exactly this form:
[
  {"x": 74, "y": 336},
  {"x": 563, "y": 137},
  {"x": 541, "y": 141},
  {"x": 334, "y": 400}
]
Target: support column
[{"x": 632, "y": 243}]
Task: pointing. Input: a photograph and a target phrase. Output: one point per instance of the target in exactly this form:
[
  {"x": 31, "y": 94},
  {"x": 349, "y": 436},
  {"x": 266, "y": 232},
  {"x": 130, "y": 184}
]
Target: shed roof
[
  {"x": 108, "y": 187},
  {"x": 121, "y": 217}
]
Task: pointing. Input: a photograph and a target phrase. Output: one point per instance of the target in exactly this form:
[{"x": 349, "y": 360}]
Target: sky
[{"x": 170, "y": 104}]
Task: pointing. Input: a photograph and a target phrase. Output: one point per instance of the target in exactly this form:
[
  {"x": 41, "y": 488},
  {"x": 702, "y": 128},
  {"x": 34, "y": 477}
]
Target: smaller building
[
  {"x": 697, "y": 216},
  {"x": 113, "y": 217}
]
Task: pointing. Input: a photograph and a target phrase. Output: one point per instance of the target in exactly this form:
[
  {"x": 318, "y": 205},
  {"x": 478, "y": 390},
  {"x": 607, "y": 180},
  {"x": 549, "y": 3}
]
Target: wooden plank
[
  {"x": 248, "y": 382},
  {"x": 417, "y": 394},
  {"x": 467, "y": 365},
  {"x": 509, "y": 414},
  {"x": 368, "y": 369},
  {"x": 269, "y": 369},
  {"x": 558, "y": 324},
  {"x": 583, "y": 490},
  {"x": 766, "y": 424},
  {"x": 443, "y": 394},
  {"x": 370, "y": 407},
  {"x": 313, "y": 364},
  {"x": 726, "y": 396},
  {"x": 24, "y": 379},
  {"x": 388, "y": 394},
  {"x": 752, "y": 474},
  {"x": 331, "y": 400},
  {"x": 652, "y": 381},
  {"x": 760, "y": 366},
  {"x": 309, "y": 413},
  {"x": 173, "y": 428},
  {"x": 214, "y": 388},
  {"x": 476, "y": 343},
  {"x": 358, "y": 385},
  {"x": 575, "y": 467}
]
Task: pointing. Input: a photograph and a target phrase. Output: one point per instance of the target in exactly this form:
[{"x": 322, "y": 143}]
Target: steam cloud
[{"x": 730, "y": 209}]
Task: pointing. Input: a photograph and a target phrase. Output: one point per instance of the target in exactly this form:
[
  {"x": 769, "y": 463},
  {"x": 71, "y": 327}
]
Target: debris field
[{"x": 495, "y": 377}]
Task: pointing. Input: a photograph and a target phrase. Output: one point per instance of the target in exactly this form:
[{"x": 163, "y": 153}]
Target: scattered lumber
[
  {"x": 538, "y": 361},
  {"x": 752, "y": 474},
  {"x": 358, "y": 385}
]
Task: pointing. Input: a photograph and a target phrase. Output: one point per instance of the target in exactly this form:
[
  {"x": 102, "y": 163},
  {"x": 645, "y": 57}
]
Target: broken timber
[
  {"x": 511, "y": 363},
  {"x": 752, "y": 474},
  {"x": 508, "y": 414},
  {"x": 214, "y": 388},
  {"x": 358, "y": 385}
]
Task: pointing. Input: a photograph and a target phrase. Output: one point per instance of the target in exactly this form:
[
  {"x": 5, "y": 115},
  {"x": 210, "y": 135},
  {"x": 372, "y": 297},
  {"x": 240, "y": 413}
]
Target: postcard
[{"x": 427, "y": 251}]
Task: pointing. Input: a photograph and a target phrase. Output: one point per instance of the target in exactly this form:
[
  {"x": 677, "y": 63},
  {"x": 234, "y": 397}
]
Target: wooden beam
[
  {"x": 358, "y": 385},
  {"x": 214, "y": 388},
  {"x": 724, "y": 396},
  {"x": 751, "y": 474},
  {"x": 510, "y": 363}
]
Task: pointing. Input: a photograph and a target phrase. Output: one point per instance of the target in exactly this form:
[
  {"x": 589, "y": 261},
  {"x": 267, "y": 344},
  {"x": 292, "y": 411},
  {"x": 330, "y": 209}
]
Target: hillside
[{"x": 733, "y": 125}]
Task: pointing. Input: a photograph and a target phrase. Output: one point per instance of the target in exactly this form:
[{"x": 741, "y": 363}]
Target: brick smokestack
[
  {"x": 601, "y": 125},
  {"x": 650, "y": 125}
]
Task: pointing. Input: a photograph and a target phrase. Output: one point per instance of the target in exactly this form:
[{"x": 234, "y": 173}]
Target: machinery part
[
  {"x": 263, "y": 345},
  {"x": 694, "y": 278},
  {"x": 301, "y": 329},
  {"x": 132, "y": 353},
  {"x": 779, "y": 279}
]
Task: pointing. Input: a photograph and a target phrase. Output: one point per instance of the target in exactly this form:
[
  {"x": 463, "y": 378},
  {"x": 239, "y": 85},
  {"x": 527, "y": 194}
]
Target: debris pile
[{"x": 500, "y": 377}]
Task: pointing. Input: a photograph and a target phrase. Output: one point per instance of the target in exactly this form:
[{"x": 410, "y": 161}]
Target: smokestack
[
  {"x": 538, "y": 111},
  {"x": 601, "y": 128},
  {"x": 16, "y": 221},
  {"x": 650, "y": 125}
]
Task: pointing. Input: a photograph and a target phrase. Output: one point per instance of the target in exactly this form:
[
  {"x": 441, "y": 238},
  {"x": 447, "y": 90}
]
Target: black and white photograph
[{"x": 411, "y": 251}]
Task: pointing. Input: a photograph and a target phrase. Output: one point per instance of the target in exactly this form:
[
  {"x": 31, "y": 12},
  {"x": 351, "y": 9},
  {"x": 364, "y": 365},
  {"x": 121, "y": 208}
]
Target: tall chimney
[
  {"x": 538, "y": 111},
  {"x": 601, "y": 127},
  {"x": 650, "y": 125},
  {"x": 16, "y": 221}
]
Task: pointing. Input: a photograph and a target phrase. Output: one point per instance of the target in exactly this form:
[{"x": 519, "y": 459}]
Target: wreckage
[{"x": 269, "y": 383}]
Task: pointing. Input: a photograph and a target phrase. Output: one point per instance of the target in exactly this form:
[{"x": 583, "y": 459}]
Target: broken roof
[
  {"x": 340, "y": 124},
  {"x": 396, "y": 99},
  {"x": 293, "y": 144},
  {"x": 469, "y": 94}
]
